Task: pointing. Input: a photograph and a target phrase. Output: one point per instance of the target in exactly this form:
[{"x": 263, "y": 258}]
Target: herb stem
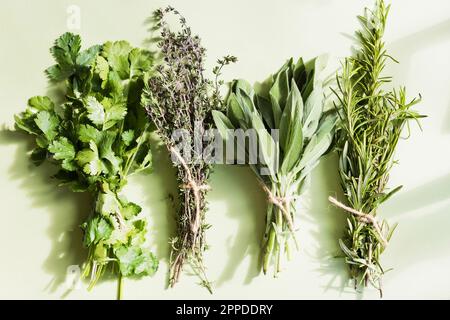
[
  {"x": 139, "y": 143},
  {"x": 119, "y": 286}
]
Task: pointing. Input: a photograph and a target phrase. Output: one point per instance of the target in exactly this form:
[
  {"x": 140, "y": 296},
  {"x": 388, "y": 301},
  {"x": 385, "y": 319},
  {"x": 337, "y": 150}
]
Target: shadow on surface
[
  {"x": 418, "y": 198},
  {"x": 422, "y": 232},
  {"x": 330, "y": 223},
  {"x": 161, "y": 198},
  {"x": 404, "y": 48},
  {"x": 228, "y": 184},
  {"x": 446, "y": 122},
  {"x": 420, "y": 238},
  {"x": 37, "y": 185}
]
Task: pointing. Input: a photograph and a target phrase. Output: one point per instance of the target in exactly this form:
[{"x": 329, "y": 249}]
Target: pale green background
[{"x": 39, "y": 234}]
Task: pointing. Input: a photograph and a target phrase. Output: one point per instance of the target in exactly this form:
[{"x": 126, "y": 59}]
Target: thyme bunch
[
  {"x": 371, "y": 123},
  {"x": 179, "y": 97}
]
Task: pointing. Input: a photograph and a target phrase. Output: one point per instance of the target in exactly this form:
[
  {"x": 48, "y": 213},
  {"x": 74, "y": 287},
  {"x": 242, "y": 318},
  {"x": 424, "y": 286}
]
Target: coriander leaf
[
  {"x": 41, "y": 103},
  {"x": 96, "y": 230},
  {"x": 88, "y": 133},
  {"x": 56, "y": 73},
  {"x": 107, "y": 203},
  {"x": 114, "y": 114},
  {"x": 48, "y": 123},
  {"x": 135, "y": 261},
  {"x": 147, "y": 264},
  {"x": 65, "y": 52},
  {"x": 68, "y": 165},
  {"x": 66, "y": 48},
  {"x": 106, "y": 152},
  {"x": 96, "y": 112},
  {"x": 87, "y": 57},
  {"x": 117, "y": 55},
  {"x": 127, "y": 137},
  {"x": 62, "y": 149},
  {"x": 102, "y": 68},
  {"x": 131, "y": 210},
  {"x": 26, "y": 122},
  {"x": 114, "y": 83},
  {"x": 89, "y": 160},
  {"x": 140, "y": 62}
]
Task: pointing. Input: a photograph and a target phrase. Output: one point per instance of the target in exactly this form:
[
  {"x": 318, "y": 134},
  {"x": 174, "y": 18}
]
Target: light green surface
[{"x": 40, "y": 237}]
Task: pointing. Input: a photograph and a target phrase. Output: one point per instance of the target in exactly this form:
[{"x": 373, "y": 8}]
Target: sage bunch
[
  {"x": 179, "y": 98},
  {"x": 371, "y": 122},
  {"x": 292, "y": 130},
  {"x": 98, "y": 136}
]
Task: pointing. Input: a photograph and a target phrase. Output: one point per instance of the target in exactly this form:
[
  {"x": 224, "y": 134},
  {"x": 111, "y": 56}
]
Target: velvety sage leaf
[
  {"x": 265, "y": 108},
  {"x": 266, "y": 145},
  {"x": 319, "y": 65},
  {"x": 299, "y": 71},
  {"x": 313, "y": 112},
  {"x": 291, "y": 137},
  {"x": 245, "y": 101},
  {"x": 276, "y": 111},
  {"x": 294, "y": 139},
  {"x": 223, "y": 124},
  {"x": 243, "y": 85},
  {"x": 280, "y": 88},
  {"x": 318, "y": 144},
  {"x": 235, "y": 112}
]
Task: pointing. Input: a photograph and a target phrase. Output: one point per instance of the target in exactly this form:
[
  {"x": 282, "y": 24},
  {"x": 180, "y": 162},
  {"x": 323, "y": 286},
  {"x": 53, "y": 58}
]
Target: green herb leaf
[{"x": 48, "y": 123}]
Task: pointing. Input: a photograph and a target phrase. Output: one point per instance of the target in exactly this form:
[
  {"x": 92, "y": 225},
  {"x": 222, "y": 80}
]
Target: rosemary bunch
[
  {"x": 371, "y": 122},
  {"x": 179, "y": 99},
  {"x": 285, "y": 119}
]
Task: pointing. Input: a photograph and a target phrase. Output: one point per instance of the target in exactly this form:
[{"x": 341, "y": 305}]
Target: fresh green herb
[
  {"x": 371, "y": 124},
  {"x": 290, "y": 103},
  {"x": 98, "y": 137},
  {"x": 179, "y": 98}
]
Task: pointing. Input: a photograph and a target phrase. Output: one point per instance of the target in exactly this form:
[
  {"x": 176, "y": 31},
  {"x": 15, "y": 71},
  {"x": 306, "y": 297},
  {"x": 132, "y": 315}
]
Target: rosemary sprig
[{"x": 371, "y": 122}]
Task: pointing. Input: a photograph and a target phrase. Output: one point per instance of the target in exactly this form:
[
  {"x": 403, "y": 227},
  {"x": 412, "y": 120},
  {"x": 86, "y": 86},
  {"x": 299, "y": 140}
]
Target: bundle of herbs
[
  {"x": 371, "y": 123},
  {"x": 286, "y": 119},
  {"x": 98, "y": 136},
  {"x": 179, "y": 100}
]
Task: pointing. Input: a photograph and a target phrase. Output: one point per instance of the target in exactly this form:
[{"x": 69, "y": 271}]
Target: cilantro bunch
[{"x": 98, "y": 136}]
